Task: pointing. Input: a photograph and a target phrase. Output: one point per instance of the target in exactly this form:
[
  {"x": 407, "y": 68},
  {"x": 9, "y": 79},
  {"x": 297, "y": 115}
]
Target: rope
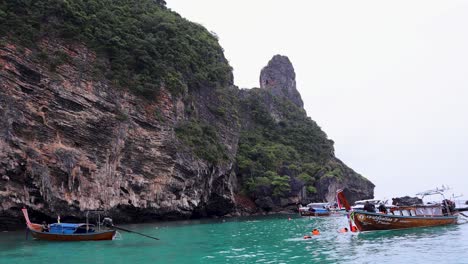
[{"x": 465, "y": 219}]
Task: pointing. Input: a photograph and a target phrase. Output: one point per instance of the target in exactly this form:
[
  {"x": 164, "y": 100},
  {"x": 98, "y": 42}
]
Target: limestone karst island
[
  {"x": 124, "y": 111},
  {"x": 137, "y": 114}
]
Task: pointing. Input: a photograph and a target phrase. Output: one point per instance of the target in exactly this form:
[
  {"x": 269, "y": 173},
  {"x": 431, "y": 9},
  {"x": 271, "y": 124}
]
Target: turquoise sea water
[{"x": 268, "y": 239}]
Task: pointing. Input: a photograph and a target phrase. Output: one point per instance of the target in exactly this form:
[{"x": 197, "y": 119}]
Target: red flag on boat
[{"x": 342, "y": 200}]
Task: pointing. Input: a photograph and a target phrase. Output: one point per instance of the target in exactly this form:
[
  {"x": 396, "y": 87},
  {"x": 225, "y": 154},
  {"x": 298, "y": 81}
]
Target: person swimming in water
[
  {"x": 343, "y": 230},
  {"x": 315, "y": 232}
]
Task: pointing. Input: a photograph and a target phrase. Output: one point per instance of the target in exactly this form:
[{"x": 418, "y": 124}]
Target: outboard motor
[
  {"x": 107, "y": 221},
  {"x": 448, "y": 207}
]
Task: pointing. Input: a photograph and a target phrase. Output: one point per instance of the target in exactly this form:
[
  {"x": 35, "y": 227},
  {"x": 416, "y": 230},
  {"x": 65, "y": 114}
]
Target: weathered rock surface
[
  {"x": 70, "y": 142},
  {"x": 354, "y": 186},
  {"x": 279, "y": 77}
]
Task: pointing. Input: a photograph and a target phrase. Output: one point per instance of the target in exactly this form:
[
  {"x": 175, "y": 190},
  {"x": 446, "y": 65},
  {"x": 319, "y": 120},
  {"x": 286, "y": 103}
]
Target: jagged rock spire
[{"x": 279, "y": 77}]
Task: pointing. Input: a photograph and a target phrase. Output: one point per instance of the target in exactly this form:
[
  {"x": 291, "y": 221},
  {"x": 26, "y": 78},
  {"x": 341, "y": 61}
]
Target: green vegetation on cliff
[
  {"x": 145, "y": 45},
  {"x": 140, "y": 45},
  {"x": 291, "y": 146},
  {"x": 202, "y": 139}
]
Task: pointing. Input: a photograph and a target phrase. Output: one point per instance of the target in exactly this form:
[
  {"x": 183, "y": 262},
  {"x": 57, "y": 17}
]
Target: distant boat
[
  {"x": 67, "y": 231},
  {"x": 401, "y": 217},
  {"x": 317, "y": 209}
]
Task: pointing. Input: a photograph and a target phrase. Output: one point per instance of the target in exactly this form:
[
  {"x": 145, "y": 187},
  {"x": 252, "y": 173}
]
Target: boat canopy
[
  {"x": 371, "y": 201},
  {"x": 319, "y": 210},
  {"x": 67, "y": 228},
  {"x": 434, "y": 191}
]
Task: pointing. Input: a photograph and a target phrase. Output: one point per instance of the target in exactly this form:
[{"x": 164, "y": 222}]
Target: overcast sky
[{"x": 386, "y": 80}]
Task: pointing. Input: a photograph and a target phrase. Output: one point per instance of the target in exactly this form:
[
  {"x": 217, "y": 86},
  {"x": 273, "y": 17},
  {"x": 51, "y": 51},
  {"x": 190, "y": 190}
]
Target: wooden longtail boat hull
[
  {"x": 105, "y": 235},
  {"x": 366, "y": 221}
]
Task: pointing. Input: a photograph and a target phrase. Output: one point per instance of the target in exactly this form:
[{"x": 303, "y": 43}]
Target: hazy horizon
[{"x": 387, "y": 81}]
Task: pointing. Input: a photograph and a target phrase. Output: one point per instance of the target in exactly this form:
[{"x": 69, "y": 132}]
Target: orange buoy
[{"x": 315, "y": 232}]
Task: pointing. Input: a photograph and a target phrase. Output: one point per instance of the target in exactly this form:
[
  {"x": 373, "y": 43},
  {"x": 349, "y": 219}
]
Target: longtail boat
[
  {"x": 400, "y": 217},
  {"x": 66, "y": 231}
]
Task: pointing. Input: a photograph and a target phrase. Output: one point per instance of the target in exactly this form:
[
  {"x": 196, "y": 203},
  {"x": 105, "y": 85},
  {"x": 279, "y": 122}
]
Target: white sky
[{"x": 386, "y": 80}]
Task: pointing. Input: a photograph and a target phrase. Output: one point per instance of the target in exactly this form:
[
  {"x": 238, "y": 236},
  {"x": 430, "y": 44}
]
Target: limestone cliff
[
  {"x": 279, "y": 77},
  {"x": 284, "y": 157},
  {"x": 158, "y": 132},
  {"x": 69, "y": 143}
]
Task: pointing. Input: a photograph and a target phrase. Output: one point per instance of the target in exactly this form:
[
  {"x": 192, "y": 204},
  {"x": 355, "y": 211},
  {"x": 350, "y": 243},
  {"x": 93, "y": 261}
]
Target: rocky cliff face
[
  {"x": 279, "y": 78},
  {"x": 355, "y": 186},
  {"x": 71, "y": 141},
  {"x": 284, "y": 157}
]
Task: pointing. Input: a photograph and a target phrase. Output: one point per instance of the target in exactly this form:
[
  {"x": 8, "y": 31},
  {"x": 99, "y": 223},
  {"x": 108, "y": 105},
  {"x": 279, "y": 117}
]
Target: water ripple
[{"x": 273, "y": 239}]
